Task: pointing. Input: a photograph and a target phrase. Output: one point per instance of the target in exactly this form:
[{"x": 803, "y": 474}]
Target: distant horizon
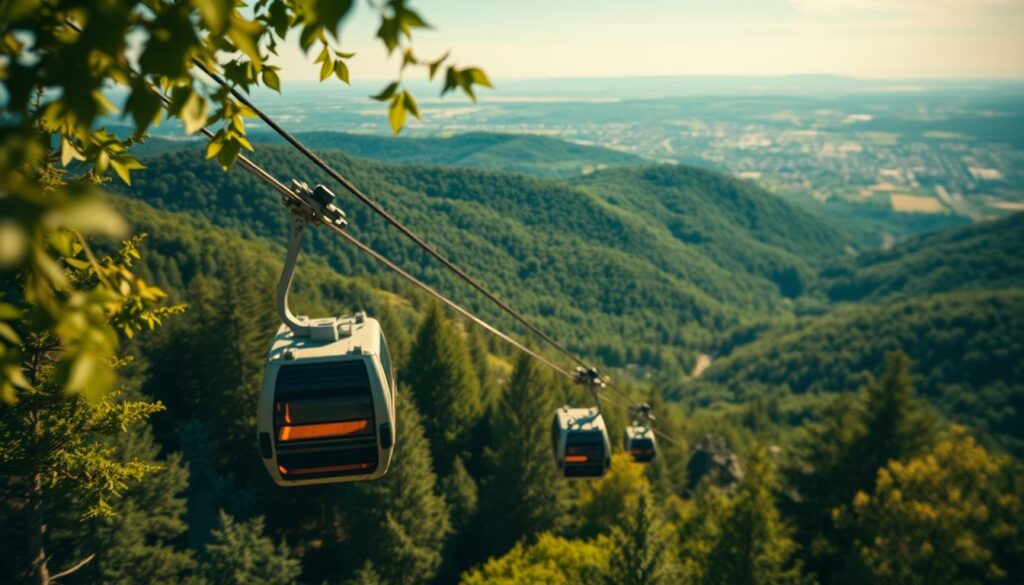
[{"x": 866, "y": 39}]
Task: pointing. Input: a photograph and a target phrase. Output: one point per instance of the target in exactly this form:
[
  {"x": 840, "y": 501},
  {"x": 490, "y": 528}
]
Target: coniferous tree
[
  {"x": 743, "y": 540},
  {"x": 399, "y": 344},
  {"x": 366, "y": 575},
  {"x": 401, "y": 522},
  {"x": 637, "y": 549},
  {"x": 841, "y": 456},
  {"x": 521, "y": 496},
  {"x": 241, "y": 554},
  {"x": 446, "y": 388},
  {"x": 56, "y": 464},
  {"x": 138, "y": 544}
]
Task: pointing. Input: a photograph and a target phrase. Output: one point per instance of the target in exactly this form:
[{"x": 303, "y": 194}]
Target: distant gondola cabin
[{"x": 580, "y": 443}]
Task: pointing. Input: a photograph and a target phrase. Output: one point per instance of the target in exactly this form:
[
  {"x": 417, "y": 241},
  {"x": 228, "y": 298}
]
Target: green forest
[
  {"x": 860, "y": 421},
  {"x": 786, "y": 403}
]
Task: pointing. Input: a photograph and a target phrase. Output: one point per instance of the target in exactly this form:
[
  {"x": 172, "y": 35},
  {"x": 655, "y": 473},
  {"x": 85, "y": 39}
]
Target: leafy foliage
[
  {"x": 946, "y": 516},
  {"x": 550, "y": 561},
  {"x": 743, "y": 539}
]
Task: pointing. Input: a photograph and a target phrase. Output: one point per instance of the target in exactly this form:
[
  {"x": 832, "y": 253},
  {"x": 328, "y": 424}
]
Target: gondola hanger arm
[{"x": 309, "y": 207}]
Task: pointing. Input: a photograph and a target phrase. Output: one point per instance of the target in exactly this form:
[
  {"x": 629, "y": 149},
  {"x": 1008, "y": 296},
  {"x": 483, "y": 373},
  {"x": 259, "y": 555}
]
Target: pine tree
[
  {"x": 401, "y": 523},
  {"x": 56, "y": 462},
  {"x": 741, "y": 541},
  {"x": 397, "y": 336},
  {"x": 366, "y": 575},
  {"x": 841, "y": 456},
  {"x": 637, "y": 549},
  {"x": 138, "y": 544},
  {"x": 478, "y": 353},
  {"x": 240, "y": 554},
  {"x": 446, "y": 388},
  {"x": 461, "y": 494},
  {"x": 521, "y": 496},
  {"x": 240, "y": 329}
]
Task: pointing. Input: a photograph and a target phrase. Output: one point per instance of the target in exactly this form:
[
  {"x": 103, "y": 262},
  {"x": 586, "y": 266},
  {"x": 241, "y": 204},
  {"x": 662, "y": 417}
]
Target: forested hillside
[
  {"x": 804, "y": 429},
  {"x": 979, "y": 257},
  {"x": 953, "y": 300},
  {"x": 565, "y": 255},
  {"x": 967, "y": 350}
]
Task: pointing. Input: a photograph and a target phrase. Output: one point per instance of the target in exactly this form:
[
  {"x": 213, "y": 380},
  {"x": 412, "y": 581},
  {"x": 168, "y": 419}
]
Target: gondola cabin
[
  {"x": 639, "y": 442},
  {"x": 327, "y": 408},
  {"x": 580, "y": 442}
]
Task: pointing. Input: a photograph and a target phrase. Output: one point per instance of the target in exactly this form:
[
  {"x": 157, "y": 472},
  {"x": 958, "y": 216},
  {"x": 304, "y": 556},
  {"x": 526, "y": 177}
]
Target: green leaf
[
  {"x": 410, "y": 105},
  {"x": 214, "y": 146},
  {"x": 145, "y": 107},
  {"x": 388, "y": 33},
  {"x": 411, "y": 19},
  {"x": 386, "y": 93},
  {"x": 478, "y": 77},
  {"x": 342, "y": 55},
  {"x": 245, "y": 34},
  {"x": 329, "y": 13},
  {"x": 341, "y": 70},
  {"x": 194, "y": 112},
  {"x": 279, "y": 18},
  {"x": 309, "y": 35},
  {"x": 68, "y": 152},
  {"x": 326, "y": 69},
  {"x": 228, "y": 153},
  {"x": 121, "y": 171},
  {"x": 271, "y": 80},
  {"x": 396, "y": 113},
  {"x": 435, "y": 65},
  {"x": 215, "y": 13}
]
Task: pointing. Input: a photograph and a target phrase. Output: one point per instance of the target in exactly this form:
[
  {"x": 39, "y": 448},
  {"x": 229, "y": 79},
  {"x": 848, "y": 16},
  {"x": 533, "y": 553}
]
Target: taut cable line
[{"x": 267, "y": 178}]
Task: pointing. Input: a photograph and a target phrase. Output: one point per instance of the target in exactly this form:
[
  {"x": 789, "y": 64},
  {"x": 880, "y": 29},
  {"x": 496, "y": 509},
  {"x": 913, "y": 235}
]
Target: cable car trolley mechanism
[
  {"x": 639, "y": 439},
  {"x": 579, "y": 437},
  {"x": 327, "y": 407}
]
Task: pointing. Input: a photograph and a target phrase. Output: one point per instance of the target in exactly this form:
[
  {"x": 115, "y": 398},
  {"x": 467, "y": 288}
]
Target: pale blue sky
[{"x": 598, "y": 38}]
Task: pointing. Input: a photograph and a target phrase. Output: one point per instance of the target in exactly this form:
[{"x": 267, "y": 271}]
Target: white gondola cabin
[
  {"x": 327, "y": 409},
  {"x": 580, "y": 442},
  {"x": 640, "y": 443}
]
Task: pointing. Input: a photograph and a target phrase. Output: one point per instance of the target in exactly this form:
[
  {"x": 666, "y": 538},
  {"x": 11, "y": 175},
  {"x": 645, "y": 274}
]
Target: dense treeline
[
  {"x": 967, "y": 350},
  {"x": 811, "y": 451},
  {"x": 978, "y": 257},
  {"x": 573, "y": 254},
  {"x": 472, "y": 497}
]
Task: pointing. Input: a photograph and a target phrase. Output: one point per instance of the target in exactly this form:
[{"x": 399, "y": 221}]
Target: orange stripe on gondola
[
  {"x": 575, "y": 458},
  {"x": 321, "y": 430},
  {"x": 325, "y": 469}
]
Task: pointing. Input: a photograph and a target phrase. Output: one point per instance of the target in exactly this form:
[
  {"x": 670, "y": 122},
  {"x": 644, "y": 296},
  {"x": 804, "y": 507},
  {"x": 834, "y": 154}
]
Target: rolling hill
[
  {"x": 977, "y": 257},
  {"x": 583, "y": 257},
  {"x": 953, "y": 301}
]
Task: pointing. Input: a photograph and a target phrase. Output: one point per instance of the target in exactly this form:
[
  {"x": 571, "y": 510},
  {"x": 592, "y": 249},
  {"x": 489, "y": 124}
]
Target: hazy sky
[{"x": 598, "y": 38}]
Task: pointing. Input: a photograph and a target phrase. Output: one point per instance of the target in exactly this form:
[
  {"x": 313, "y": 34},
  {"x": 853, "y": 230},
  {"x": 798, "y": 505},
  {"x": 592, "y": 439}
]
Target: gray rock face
[{"x": 712, "y": 460}]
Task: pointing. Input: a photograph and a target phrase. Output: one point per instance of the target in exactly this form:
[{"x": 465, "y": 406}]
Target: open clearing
[{"x": 906, "y": 203}]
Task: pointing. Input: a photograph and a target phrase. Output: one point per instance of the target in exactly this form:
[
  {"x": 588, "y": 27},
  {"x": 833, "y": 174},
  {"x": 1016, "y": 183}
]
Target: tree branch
[{"x": 74, "y": 567}]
